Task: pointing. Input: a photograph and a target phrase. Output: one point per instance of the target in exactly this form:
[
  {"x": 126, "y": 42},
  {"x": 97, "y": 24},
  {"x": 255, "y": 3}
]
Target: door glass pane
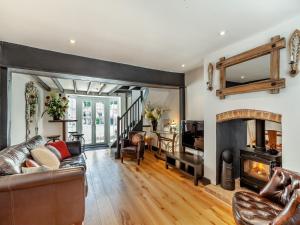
[
  {"x": 113, "y": 115},
  {"x": 87, "y": 121},
  {"x": 99, "y": 122},
  {"x": 72, "y": 114}
]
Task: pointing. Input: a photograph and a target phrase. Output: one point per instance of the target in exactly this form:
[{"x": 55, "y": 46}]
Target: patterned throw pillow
[
  {"x": 136, "y": 139},
  {"x": 55, "y": 152},
  {"x": 43, "y": 156},
  {"x": 61, "y": 146}
]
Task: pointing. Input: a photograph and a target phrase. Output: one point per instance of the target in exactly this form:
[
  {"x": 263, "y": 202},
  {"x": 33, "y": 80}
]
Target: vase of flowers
[
  {"x": 153, "y": 114},
  {"x": 56, "y": 106}
]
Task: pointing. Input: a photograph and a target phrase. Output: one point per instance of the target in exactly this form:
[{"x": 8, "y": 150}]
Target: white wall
[
  {"x": 286, "y": 103},
  {"x": 167, "y": 99},
  {"x": 195, "y": 87},
  {"x": 18, "y": 122}
]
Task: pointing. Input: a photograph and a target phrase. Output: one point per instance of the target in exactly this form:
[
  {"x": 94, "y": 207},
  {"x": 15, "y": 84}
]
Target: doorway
[{"x": 96, "y": 118}]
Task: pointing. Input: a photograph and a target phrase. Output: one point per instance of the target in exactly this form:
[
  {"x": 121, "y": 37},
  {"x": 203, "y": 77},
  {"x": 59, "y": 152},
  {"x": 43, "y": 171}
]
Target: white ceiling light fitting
[
  {"x": 222, "y": 33},
  {"x": 72, "y": 41},
  {"x": 182, "y": 65}
]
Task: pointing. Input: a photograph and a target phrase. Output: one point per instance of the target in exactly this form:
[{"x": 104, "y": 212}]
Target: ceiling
[
  {"x": 153, "y": 34},
  {"x": 82, "y": 87}
]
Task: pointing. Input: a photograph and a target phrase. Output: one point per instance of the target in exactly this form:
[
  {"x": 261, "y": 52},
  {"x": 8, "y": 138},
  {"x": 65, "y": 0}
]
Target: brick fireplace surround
[{"x": 248, "y": 114}]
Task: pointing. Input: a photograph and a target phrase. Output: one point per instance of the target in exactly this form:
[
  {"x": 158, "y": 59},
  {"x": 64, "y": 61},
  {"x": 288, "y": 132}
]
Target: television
[{"x": 193, "y": 134}]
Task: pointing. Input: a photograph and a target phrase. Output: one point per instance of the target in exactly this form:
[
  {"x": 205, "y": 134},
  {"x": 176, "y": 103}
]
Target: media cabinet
[{"x": 189, "y": 164}]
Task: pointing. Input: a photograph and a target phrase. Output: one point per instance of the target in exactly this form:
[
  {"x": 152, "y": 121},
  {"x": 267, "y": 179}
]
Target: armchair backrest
[{"x": 281, "y": 186}]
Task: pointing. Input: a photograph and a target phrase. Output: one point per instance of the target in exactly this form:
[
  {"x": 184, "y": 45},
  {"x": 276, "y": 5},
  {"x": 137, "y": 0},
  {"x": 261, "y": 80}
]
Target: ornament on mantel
[{"x": 294, "y": 47}]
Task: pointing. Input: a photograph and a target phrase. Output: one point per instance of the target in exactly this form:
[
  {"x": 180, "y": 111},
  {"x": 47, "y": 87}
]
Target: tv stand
[{"x": 189, "y": 164}]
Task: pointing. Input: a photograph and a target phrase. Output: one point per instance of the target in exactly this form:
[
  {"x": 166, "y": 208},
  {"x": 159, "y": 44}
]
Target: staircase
[{"x": 131, "y": 120}]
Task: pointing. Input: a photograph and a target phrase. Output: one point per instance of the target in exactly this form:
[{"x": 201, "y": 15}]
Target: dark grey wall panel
[
  {"x": 231, "y": 135},
  {"x": 24, "y": 57},
  {"x": 4, "y": 108}
]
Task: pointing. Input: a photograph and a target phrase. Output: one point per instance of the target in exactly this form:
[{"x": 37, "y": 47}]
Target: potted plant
[
  {"x": 153, "y": 114},
  {"x": 56, "y": 106}
]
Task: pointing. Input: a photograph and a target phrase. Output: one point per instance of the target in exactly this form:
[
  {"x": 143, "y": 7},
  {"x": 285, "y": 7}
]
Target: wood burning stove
[{"x": 256, "y": 167}]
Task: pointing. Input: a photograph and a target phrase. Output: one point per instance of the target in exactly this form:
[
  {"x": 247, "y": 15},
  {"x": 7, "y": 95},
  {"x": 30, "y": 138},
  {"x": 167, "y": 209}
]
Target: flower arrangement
[
  {"x": 153, "y": 114},
  {"x": 56, "y": 106}
]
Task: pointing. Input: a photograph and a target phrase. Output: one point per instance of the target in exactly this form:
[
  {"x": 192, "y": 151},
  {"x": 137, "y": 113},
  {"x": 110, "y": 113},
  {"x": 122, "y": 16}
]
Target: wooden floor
[{"x": 126, "y": 194}]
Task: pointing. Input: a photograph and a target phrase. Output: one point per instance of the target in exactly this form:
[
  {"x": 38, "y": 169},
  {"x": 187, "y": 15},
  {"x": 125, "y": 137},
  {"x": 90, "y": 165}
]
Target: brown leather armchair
[
  {"x": 134, "y": 146},
  {"x": 278, "y": 203},
  {"x": 48, "y": 198}
]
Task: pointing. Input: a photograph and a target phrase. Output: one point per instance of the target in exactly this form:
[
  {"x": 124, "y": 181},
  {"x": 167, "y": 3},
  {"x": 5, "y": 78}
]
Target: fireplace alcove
[{"x": 232, "y": 134}]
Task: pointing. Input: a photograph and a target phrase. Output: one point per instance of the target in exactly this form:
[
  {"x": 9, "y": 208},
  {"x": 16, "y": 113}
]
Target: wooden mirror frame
[{"x": 274, "y": 84}]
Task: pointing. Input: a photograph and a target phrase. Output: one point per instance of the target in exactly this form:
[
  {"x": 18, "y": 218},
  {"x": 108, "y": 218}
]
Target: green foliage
[{"x": 56, "y": 105}]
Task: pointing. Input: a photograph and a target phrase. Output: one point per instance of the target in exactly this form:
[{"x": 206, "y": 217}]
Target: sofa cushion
[
  {"x": 12, "y": 158},
  {"x": 31, "y": 163},
  {"x": 34, "y": 142},
  {"x": 55, "y": 151},
  {"x": 27, "y": 170},
  {"x": 136, "y": 139},
  {"x": 43, "y": 156},
  {"x": 73, "y": 161},
  {"x": 62, "y": 148},
  {"x": 250, "y": 208}
]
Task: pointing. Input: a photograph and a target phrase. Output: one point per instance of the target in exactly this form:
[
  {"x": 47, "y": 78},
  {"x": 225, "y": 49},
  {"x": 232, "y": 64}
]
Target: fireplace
[
  {"x": 254, "y": 139},
  {"x": 256, "y": 167}
]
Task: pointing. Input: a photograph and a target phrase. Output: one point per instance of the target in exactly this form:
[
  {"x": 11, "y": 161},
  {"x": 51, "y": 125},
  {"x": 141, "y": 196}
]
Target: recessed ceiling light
[
  {"x": 222, "y": 33},
  {"x": 182, "y": 65},
  {"x": 72, "y": 41},
  {"x": 242, "y": 77}
]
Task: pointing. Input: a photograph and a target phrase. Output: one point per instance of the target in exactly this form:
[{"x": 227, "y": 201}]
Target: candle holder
[{"x": 294, "y": 47}]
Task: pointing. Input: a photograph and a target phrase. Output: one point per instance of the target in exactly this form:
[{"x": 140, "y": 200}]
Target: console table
[{"x": 189, "y": 164}]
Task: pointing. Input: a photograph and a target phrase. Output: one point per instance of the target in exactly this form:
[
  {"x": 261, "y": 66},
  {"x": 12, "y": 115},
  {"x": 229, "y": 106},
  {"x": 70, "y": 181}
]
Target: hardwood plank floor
[{"x": 149, "y": 194}]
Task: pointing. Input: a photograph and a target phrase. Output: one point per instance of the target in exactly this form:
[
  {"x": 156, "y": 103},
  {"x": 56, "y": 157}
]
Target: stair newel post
[{"x": 119, "y": 120}]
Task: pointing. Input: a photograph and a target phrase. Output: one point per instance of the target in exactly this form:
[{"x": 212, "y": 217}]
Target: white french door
[{"x": 96, "y": 118}]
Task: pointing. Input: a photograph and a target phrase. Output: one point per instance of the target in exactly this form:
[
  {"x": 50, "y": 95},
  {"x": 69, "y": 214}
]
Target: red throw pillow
[{"x": 62, "y": 148}]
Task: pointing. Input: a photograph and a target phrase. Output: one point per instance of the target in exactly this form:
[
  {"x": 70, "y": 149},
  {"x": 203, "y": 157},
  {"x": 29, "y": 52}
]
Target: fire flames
[{"x": 259, "y": 169}]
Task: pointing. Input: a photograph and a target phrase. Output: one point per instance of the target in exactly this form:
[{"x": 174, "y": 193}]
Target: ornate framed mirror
[{"x": 255, "y": 70}]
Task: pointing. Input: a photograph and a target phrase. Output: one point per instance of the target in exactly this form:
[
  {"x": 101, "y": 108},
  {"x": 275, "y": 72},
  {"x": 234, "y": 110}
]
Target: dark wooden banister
[{"x": 126, "y": 123}]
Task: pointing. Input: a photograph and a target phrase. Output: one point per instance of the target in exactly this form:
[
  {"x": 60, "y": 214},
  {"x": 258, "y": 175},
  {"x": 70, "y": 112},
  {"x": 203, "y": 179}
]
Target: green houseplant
[{"x": 56, "y": 106}]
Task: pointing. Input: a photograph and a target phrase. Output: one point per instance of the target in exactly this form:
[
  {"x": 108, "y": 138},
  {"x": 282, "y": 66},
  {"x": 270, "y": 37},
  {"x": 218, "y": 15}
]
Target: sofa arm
[
  {"x": 47, "y": 198},
  {"x": 74, "y": 147},
  {"x": 290, "y": 214}
]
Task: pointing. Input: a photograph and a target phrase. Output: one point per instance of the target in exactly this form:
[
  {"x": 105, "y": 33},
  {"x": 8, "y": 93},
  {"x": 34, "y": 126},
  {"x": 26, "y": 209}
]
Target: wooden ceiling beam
[
  {"x": 41, "y": 83},
  {"x": 115, "y": 89},
  {"x": 75, "y": 86},
  {"x": 58, "y": 85},
  {"x": 132, "y": 87},
  {"x": 89, "y": 88},
  {"x": 101, "y": 88}
]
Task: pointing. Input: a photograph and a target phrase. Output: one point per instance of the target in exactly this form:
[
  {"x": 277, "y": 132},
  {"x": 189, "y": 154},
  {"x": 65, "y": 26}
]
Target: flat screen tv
[{"x": 193, "y": 134}]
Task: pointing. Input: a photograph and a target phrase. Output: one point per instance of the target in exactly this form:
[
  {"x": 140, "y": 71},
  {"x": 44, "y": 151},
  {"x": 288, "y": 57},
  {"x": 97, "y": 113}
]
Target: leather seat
[
  {"x": 254, "y": 209},
  {"x": 278, "y": 203}
]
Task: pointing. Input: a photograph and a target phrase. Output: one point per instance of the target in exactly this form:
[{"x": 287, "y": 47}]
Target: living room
[{"x": 198, "y": 122}]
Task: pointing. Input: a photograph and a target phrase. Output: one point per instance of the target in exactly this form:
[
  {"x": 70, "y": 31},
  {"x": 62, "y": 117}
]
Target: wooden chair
[{"x": 134, "y": 146}]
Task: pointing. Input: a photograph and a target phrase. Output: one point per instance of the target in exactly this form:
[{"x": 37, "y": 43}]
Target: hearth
[{"x": 256, "y": 167}]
